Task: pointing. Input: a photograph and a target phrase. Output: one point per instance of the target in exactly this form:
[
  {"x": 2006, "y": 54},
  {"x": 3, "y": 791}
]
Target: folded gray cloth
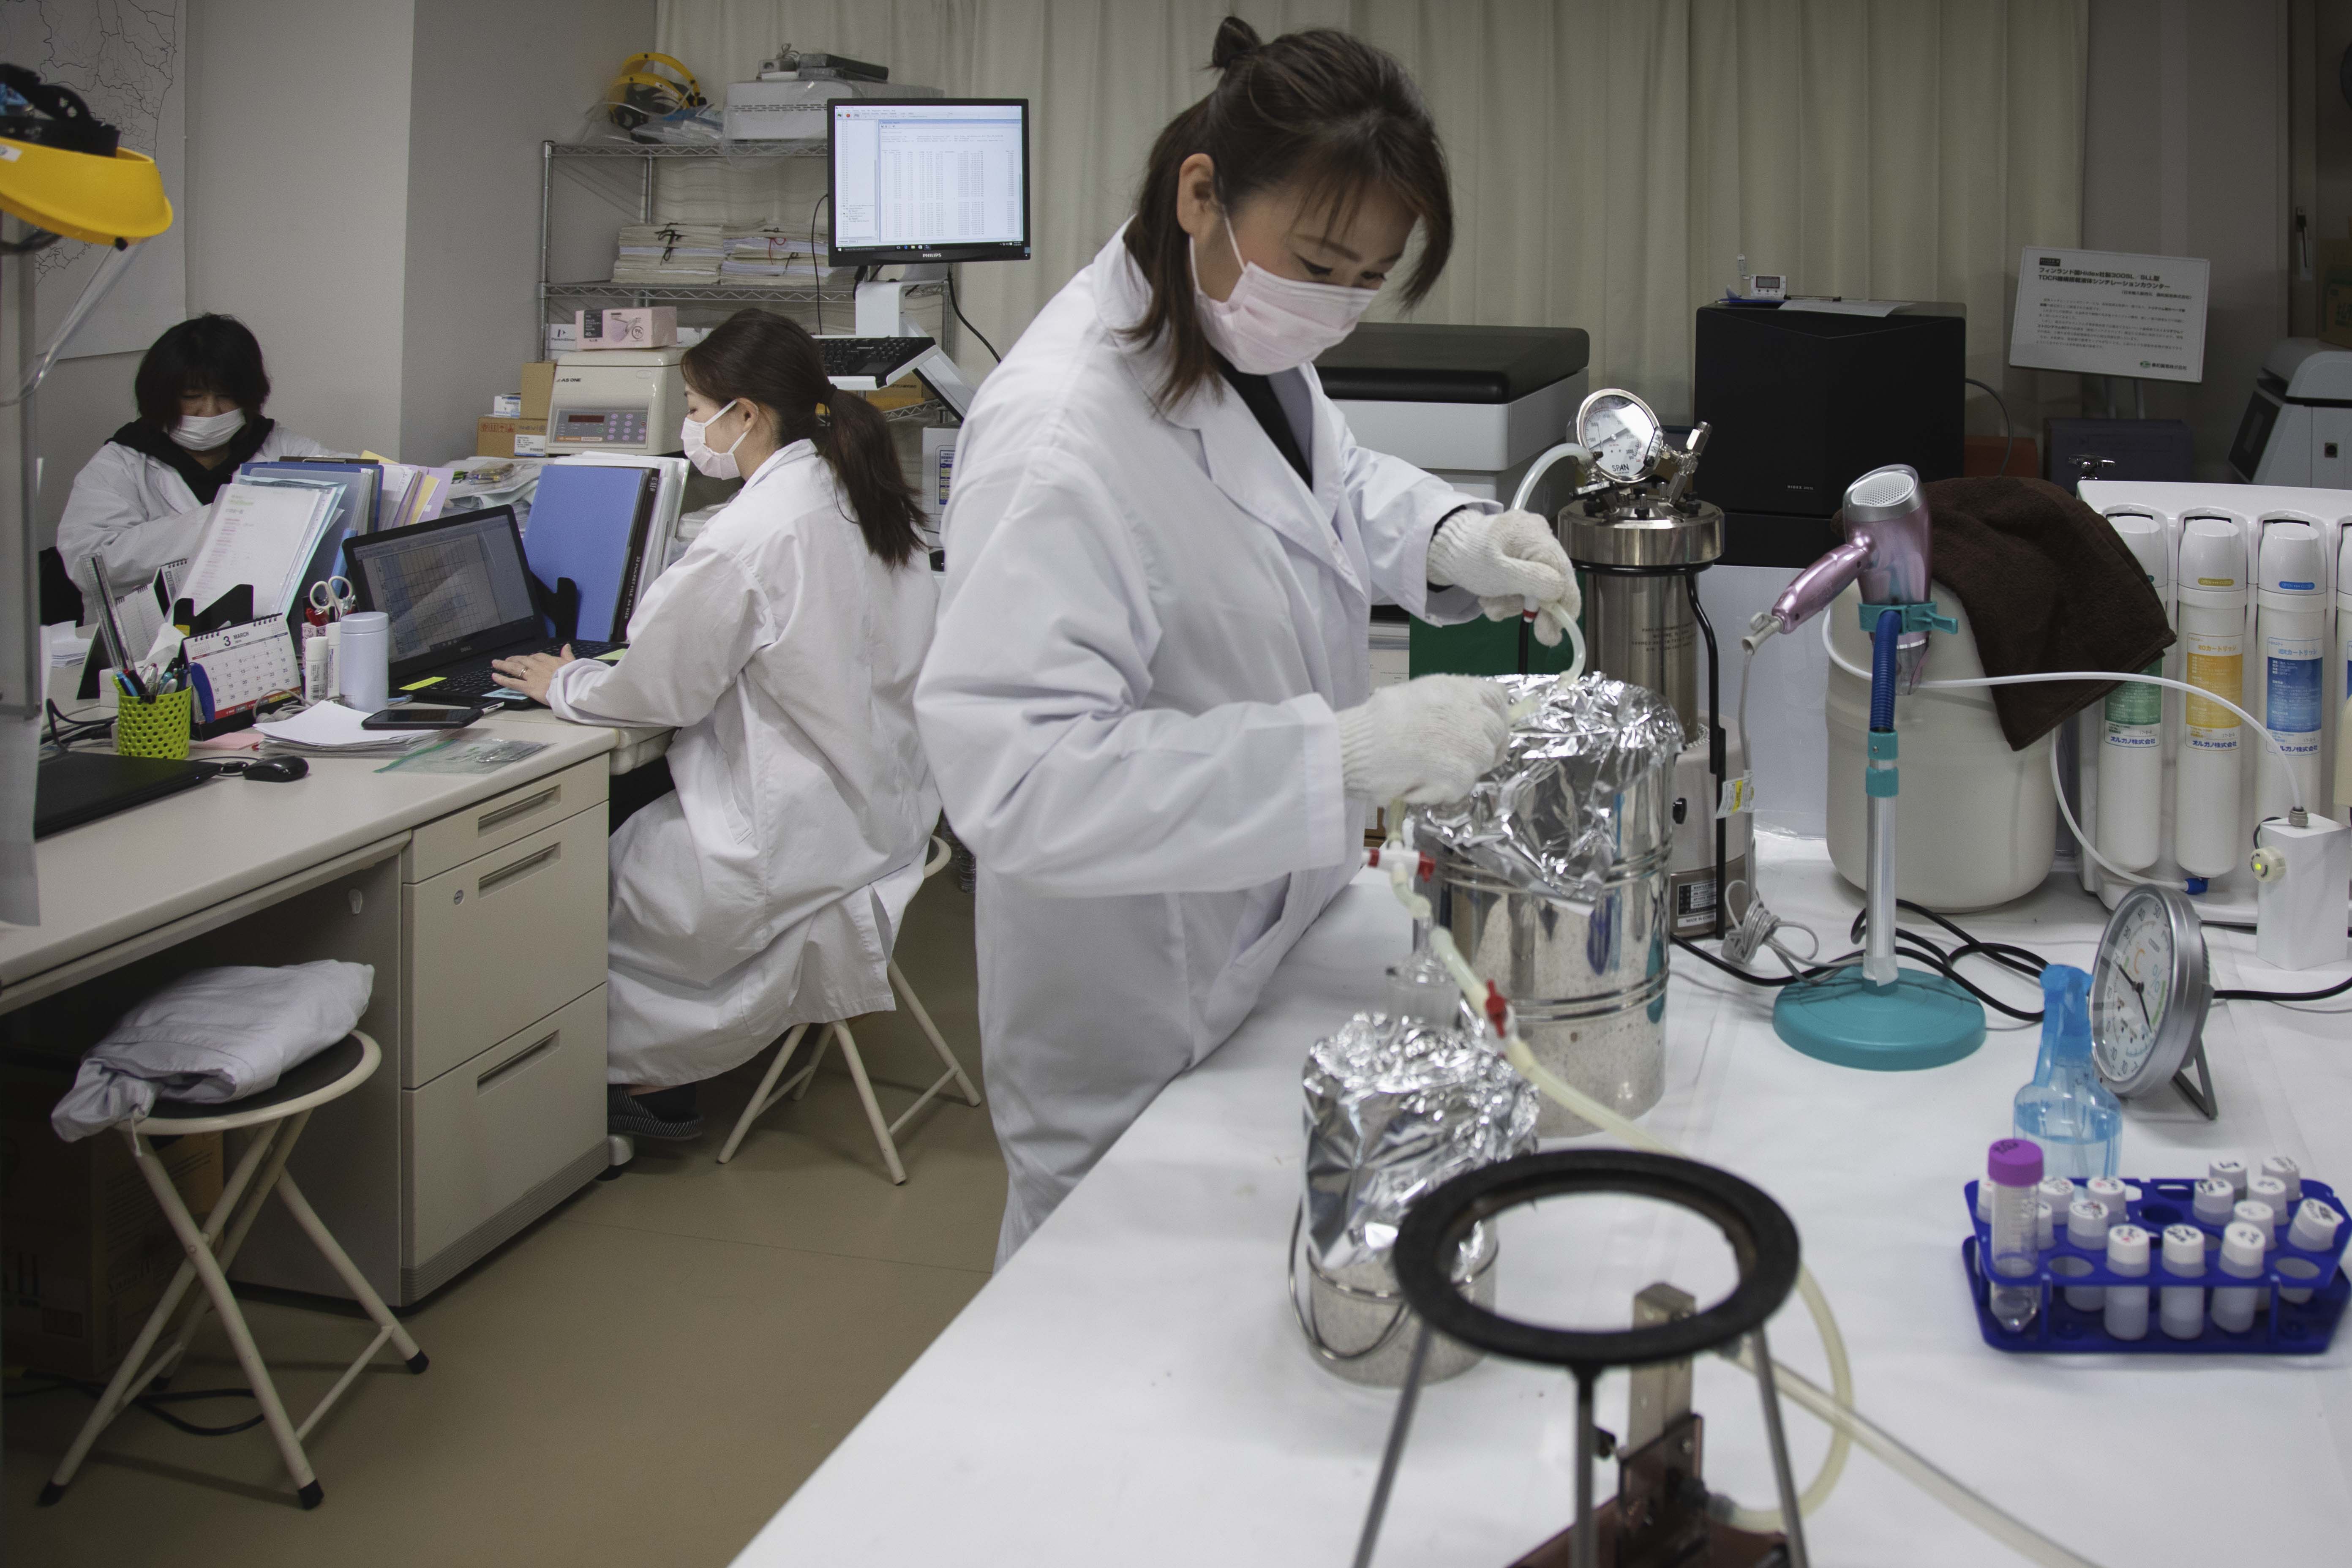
[{"x": 212, "y": 1037}]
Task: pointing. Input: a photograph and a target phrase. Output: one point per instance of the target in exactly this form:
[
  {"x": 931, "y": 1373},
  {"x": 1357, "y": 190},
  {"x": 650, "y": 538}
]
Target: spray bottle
[
  {"x": 2075, "y": 1119},
  {"x": 2211, "y": 587},
  {"x": 2131, "y": 753},
  {"x": 2291, "y": 628}
]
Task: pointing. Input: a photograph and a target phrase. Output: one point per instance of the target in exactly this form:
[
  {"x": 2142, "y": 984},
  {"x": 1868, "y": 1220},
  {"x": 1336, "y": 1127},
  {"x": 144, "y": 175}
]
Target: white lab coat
[
  {"x": 139, "y": 514},
  {"x": 1130, "y": 705},
  {"x": 765, "y": 892}
]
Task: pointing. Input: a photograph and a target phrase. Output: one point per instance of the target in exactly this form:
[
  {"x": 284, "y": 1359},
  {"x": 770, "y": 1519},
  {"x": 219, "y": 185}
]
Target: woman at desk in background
[
  {"x": 141, "y": 501},
  {"x": 783, "y": 646}
]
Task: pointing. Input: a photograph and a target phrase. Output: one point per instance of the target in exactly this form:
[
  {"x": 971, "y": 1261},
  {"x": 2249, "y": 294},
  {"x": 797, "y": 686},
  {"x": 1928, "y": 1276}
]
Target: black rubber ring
[{"x": 1763, "y": 1240}]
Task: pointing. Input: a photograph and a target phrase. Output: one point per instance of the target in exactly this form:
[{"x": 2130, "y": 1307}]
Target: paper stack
[
  {"x": 263, "y": 535},
  {"x": 771, "y": 257},
  {"x": 330, "y": 729},
  {"x": 683, "y": 255}
]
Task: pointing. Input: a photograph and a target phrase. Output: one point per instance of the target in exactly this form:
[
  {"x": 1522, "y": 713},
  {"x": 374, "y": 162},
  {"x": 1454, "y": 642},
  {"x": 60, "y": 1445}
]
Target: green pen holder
[{"x": 154, "y": 726}]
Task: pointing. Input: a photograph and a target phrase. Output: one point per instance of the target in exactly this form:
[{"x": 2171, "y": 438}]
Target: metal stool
[
  {"x": 769, "y": 1092},
  {"x": 279, "y": 1114}
]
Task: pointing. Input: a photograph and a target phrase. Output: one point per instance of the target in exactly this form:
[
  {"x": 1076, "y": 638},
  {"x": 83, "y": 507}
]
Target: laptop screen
[{"x": 449, "y": 585}]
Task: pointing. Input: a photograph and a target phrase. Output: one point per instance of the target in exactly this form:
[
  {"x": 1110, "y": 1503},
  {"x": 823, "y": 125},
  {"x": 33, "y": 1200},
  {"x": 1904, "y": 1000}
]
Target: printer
[{"x": 2298, "y": 425}]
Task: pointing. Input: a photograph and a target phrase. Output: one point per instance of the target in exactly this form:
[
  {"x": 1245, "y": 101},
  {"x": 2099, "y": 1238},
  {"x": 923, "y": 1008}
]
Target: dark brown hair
[
  {"x": 772, "y": 362},
  {"x": 1320, "y": 107},
  {"x": 203, "y": 353}
]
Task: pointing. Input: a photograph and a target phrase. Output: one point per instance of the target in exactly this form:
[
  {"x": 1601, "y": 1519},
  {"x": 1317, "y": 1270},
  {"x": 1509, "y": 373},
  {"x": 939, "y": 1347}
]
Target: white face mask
[
  {"x": 1269, "y": 324},
  {"x": 711, "y": 464},
  {"x": 202, "y": 432}
]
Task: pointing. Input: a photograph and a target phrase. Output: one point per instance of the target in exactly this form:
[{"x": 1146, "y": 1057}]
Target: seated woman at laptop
[
  {"x": 141, "y": 501},
  {"x": 783, "y": 646}
]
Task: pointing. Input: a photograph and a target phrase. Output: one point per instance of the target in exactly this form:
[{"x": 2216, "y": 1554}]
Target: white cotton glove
[
  {"x": 1426, "y": 741},
  {"x": 1513, "y": 563}
]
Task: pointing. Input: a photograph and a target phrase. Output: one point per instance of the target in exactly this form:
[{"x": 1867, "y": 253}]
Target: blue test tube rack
[{"x": 2280, "y": 1328}]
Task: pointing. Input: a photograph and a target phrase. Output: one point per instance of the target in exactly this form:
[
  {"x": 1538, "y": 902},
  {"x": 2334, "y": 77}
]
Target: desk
[
  {"x": 490, "y": 1107},
  {"x": 1131, "y": 1387}
]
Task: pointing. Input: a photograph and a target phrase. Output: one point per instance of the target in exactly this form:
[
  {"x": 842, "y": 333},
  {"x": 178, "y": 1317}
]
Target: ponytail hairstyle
[
  {"x": 772, "y": 362},
  {"x": 1321, "y": 108}
]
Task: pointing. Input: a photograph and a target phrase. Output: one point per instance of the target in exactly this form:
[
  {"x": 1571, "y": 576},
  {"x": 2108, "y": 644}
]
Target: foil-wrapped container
[
  {"x": 1394, "y": 1109},
  {"x": 1552, "y": 877},
  {"x": 1550, "y": 817}
]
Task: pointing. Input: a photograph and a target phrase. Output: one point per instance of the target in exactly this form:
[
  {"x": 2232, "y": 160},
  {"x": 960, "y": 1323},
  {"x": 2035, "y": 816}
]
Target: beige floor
[{"x": 643, "y": 1377}]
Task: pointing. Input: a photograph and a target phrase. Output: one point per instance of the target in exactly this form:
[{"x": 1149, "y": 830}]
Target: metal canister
[
  {"x": 1587, "y": 980},
  {"x": 1359, "y": 1328},
  {"x": 1638, "y": 561}
]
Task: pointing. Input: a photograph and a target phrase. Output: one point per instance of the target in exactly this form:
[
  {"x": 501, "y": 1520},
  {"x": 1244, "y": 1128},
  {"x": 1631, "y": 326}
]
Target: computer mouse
[{"x": 277, "y": 770}]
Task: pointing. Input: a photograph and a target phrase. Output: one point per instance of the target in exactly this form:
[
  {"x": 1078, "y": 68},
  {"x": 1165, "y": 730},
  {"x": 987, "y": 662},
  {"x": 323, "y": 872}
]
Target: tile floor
[{"x": 642, "y": 1377}]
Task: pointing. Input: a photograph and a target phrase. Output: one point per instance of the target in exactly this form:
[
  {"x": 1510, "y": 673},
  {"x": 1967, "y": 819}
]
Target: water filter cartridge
[
  {"x": 2131, "y": 750},
  {"x": 2291, "y": 627},
  {"x": 2211, "y": 589},
  {"x": 2127, "y": 1304}
]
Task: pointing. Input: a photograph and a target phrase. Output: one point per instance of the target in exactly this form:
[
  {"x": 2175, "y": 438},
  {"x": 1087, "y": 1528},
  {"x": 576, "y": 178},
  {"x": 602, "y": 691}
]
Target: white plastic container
[
  {"x": 2211, "y": 590},
  {"x": 363, "y": 660},
  {"x": 2180, "y": 1309},
  {"x": 1978, "y": 822},
  {"x": 2127, "y": 1305},
  {"x": 2291, "y": 631},
  {"x": 2131, "y": 751}
]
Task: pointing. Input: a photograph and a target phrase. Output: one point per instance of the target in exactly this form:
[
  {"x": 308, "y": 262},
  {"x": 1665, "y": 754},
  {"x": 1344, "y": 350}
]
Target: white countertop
[
  {"x": 1132, "y": 1388},
  {"x": 123, "y": 875}
]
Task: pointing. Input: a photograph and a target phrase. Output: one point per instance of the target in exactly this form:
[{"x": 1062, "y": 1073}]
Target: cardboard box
[
  {"x": 2333, "y": 266},
  {"x": 562, "y": 338},
  {"x": 537, "y": 388},
  {"x": 638, "y": 327},
  {"x": 494, "y": 437},
  {"x": 85, "y": 1252}
]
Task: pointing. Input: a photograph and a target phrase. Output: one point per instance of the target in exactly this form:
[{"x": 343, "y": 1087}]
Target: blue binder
[{"x": 588, "y": 523}]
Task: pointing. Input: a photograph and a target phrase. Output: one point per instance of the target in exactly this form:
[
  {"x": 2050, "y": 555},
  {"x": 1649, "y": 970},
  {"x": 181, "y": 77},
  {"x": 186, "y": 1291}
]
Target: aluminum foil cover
[
  {"x": 1395, "y": 1109},
  {"x": 1544, "y": 818}
]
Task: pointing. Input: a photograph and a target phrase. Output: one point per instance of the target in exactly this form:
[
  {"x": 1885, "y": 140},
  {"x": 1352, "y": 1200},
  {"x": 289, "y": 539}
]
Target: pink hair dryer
[{"x": 1887, "y": 547}]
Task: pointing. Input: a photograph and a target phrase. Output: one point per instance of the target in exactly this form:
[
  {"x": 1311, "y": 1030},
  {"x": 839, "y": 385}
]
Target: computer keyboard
[
  {"x": 459, "y": 685},
  {"x": 875, "y": 357}
]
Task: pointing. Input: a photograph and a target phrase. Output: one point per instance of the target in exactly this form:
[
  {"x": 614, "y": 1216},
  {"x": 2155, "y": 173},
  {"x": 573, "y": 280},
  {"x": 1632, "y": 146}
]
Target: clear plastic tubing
[
  {"x": 2279, "y": 1168},
  {"x": 2241, "y": 1258},
  {"x": 2127, "y": 1305},
  {"x": 2232, "y": 1171},
  {"x": 2110, "y": 1192},
  {"x": 2313, "y": 1230},
  {"x": 2086, "y": 1228},
  {"x": 2013, "y": 1171},
  {"x": 2180, "y": 1309},
  {"x": 2215, "y": 1198}
]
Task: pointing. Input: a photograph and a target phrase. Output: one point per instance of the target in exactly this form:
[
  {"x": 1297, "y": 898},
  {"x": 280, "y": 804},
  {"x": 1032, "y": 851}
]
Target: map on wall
[{"x": 124, "y": 57}]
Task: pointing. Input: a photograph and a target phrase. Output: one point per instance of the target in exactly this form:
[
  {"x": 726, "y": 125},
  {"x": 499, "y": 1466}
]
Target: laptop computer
[
  {"x": 83, "y": 786},
  {"x": 458, "y": 593}
]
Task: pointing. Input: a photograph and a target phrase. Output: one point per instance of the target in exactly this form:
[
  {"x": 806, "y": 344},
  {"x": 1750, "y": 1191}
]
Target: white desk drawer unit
[
  {"x": 499, "y": 1137},
  {"x": 501, "y": 940},
  {"x": 498, "y": 821}
]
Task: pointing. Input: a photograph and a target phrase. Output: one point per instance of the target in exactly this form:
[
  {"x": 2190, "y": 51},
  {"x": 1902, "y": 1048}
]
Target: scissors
[{"x": 332, "y": 600}]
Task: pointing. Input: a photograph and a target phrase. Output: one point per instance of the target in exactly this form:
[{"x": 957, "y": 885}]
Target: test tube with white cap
[
  {"x": 2313, "y": 1230},
  {"x": 2260, "y": 1215},
  {"x": 2127, "y": 1304},
  {"x": 2215, "y": 1198},
  {"x": 2058, "y": 1191},
  {"x": 2180, "y": 1309},
  {"x": 2086, "y": 1228},
  {"x": 2271, "y": 1191},
  {"x": 2110, "y": 1192},
  {"x": 2232, "y": 1170},
  {"x": 2279, "y": 1168},
  {"x": 2241, "y": 1258},
  {"x": 2045, "y": 1226}
]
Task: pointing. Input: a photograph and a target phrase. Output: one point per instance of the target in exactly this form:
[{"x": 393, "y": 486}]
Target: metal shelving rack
[{"x": 650, "y": 154}]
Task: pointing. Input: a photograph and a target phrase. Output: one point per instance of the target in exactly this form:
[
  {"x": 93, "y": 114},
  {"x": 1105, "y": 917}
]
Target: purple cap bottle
[{"x": 2015, "y": 1162}]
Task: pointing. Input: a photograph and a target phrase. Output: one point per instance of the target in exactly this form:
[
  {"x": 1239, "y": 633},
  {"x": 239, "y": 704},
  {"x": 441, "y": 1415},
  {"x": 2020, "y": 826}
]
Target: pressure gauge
[
  {"x": 1623, "y": 434},
  {"x": 2149, "y": 991}
]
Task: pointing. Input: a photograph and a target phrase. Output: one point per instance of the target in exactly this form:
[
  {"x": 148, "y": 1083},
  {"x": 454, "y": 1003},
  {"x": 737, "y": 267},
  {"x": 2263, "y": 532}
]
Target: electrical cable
[
  {"x": 2339, "y": 989},
  {"x": 153, "y": 1403},
  {"x": 2006, "y": 428},
  {"x": 954, "y": 305},
  {"x": 816, "y": 263}
]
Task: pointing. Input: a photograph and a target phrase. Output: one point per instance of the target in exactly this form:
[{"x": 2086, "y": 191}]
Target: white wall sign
[
  {"x": 124, "y": 59},
  {"x": 2107, "y": 313}
]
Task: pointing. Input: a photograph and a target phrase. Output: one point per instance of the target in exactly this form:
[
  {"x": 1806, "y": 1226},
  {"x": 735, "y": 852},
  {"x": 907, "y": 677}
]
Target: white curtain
[{"x": 1609, "y": 159}]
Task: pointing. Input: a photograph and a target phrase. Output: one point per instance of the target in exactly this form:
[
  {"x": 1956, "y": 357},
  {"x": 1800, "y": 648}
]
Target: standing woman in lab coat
[
  {"x": 1150, "y": 702},
  {"x": 783, "y": 646},
  {"x": 142, "y": 501}
]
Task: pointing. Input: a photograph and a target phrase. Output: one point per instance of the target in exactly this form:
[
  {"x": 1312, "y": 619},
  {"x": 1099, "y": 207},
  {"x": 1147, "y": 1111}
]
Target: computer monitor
[{"x": 928, "y": 179}]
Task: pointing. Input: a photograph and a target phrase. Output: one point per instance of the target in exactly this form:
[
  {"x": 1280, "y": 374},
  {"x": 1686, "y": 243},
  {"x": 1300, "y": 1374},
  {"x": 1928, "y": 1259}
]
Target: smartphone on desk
[{"x": 421, "y": 716}]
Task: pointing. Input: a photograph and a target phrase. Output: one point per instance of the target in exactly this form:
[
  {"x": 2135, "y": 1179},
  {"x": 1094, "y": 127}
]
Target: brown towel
[{"x": 2048, "y": 585}]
